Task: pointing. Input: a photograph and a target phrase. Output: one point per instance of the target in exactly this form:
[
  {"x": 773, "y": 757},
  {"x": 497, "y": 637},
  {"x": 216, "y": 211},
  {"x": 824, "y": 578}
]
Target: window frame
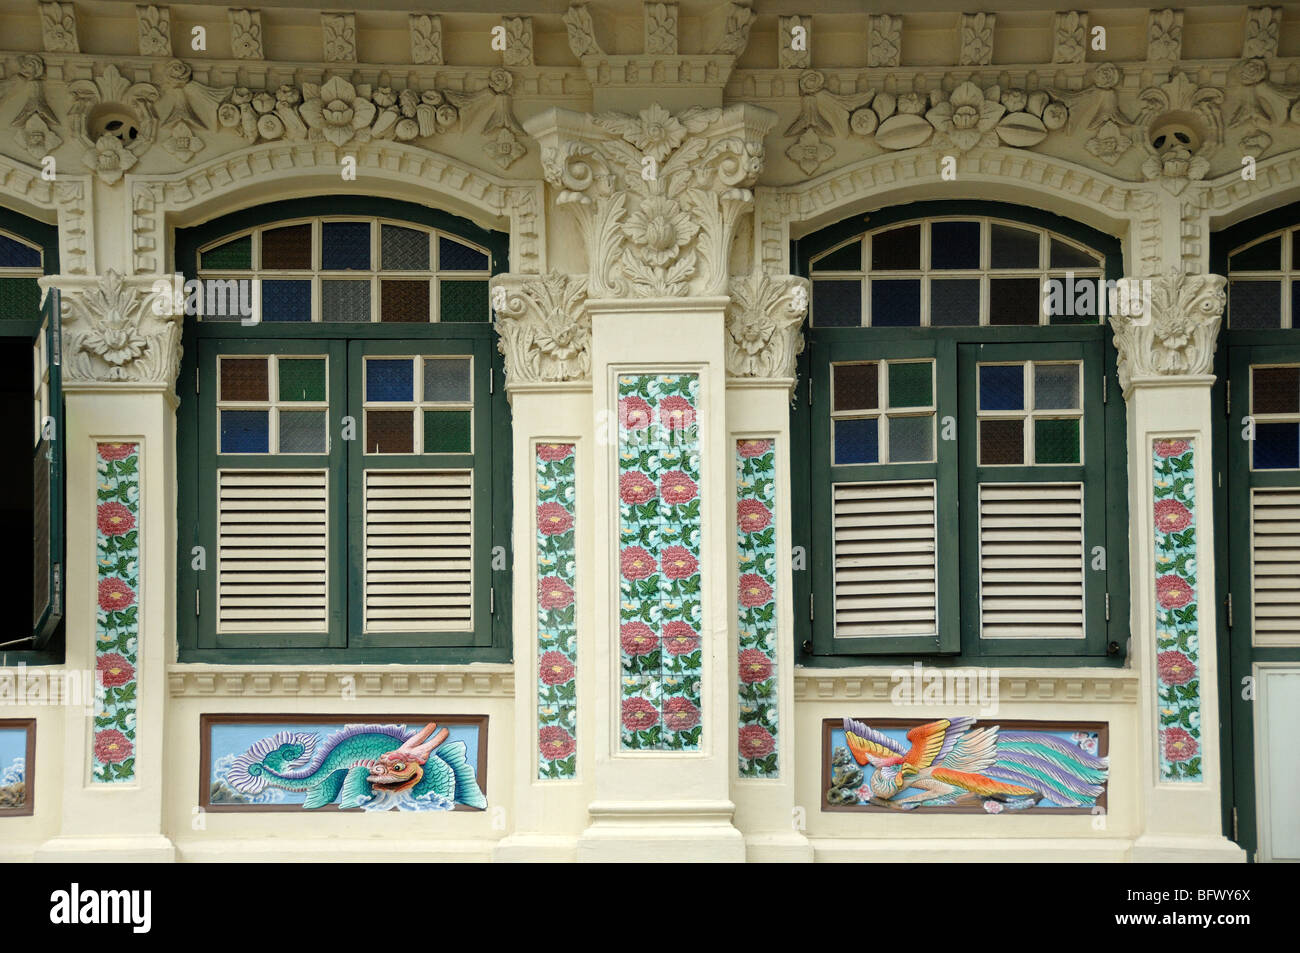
[
  {"x": 1105, "y": 642},
  {"x": 492, "y": 636}
]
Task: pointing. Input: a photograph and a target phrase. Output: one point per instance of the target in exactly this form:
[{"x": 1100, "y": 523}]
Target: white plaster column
[
  {"x": 1164, "y": 369},
  {"x": 119, "y": 363}
]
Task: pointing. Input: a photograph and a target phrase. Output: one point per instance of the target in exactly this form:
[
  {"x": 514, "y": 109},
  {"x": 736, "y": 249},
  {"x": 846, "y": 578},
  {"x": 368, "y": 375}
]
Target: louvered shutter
[
  {"x": 272, "y": 550},
  {"x": 47, "y": 476},
  {"x": 1031, "y": 561},
  {"x": 419, "y": 549},
  {"x": 884, "y": 547},
  {"x": 1275, "y": 564}
]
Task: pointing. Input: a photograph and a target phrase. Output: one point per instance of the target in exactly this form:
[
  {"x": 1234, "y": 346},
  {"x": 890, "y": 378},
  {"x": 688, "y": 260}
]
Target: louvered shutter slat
[
  {"x": 1031, "y": 561},
  {"x": 884, "y": 559},
  {"x": 1275, "y": 564},
  {"x": 272, "y": 550},
  {"x": 419, "y": 544}
]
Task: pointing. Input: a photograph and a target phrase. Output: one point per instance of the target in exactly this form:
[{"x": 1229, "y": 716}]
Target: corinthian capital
[
  {"x": 763, "y": 325},
  {"x": 657, "y": 196},
  {"x": 119, "y": 330},
  {"x": 1177, "y": 334},
  {"x": 543, "y": 329}
]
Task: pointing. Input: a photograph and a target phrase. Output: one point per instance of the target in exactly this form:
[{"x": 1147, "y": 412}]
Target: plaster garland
[
  {"x": 763, "y": 322},
  {"x": 1179, "y": 336},
  {"x": 543, "y": 327}
]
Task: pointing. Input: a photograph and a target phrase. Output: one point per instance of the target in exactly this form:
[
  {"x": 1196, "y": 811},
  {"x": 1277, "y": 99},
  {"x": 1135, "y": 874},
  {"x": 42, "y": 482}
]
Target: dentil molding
[{"x": 1178, "y": 337}]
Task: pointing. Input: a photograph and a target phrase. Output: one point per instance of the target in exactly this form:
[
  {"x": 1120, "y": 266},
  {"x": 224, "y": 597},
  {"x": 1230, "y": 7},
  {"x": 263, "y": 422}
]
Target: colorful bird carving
[{"x": 950, "y": 761}]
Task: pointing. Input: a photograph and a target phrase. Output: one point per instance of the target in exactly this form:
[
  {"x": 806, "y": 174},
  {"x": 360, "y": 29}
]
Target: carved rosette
[
  {"x": 113, "y": 331},
  {"x": 764, "y": 320},
  {"x": 657, "y": 196},
  {"x": 1178, "y": 337},
  {"x": 543, "y": 328}
]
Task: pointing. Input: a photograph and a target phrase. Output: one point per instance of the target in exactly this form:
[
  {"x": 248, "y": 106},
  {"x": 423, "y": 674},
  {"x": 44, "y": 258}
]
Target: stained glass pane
[
  {"x": 389, "y": 379},
  {"x": 1056, "y": 441},
  {"x": 389, "y": 431},
  {"x": 404, "y": 301},
  {"x": 1064, "y": 255},
  {"x": 16, "y": 254},
  {"x": 446, "y": 379},
  {"x": 1255, "y": 304},
  {"x": 302, "y": 431},
  {"x": 20, "y": 298},
  {"x": 1012, "y": 247},
  {"x": 857, "y": 386},
  {"x": 837, "y": 304},
  {"x": 302, "y": 379},
  {"x": 848, "y": 258},
  {"x": 286, "y": 300},
  {"x": 1262, "y": 256},
  {"x": 345, "y": 300},
  {"x": 287, "y": 248},
  {"x": 1002, "y": 387},
  {"x": 895, "y": 303},
  {"x": 245, "y": 431},
  {"x": 898, "y": 249},
  {"x": 234, "y": 255},
  {"x": 1056, "y": 386},
  {"x": 1014, "y": 300},
  {"x": 955, "y": 302},
  {"x": 1002, "y": 442},
  {"x": 345, "y": 246},
  {"x": 463, "y": 301},
  {"x": 1275, "y": 390},
  {"x": 911, "y": 384},
  {"x": 856, "y": 441},
  {"x": 243, "y": 378},
  {"x": 446, "y": 431},
  {"x": 911, "y": 439},
  {"x": 1277, "y": 446},
  {"x": 453, "y": 256},
  {"x": 954, "y": 245},
  {"x": 404, "y": 249}
]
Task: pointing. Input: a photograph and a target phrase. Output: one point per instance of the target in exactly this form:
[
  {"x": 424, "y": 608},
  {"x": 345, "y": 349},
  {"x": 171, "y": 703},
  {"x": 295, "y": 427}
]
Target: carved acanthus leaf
[
  {"x": 120, "y": 330},
  {"x": 1178, "y": 335},
  {"x": 582, "y": 33},
  {"x": 764, "y": 321},
  {"x": 543, "y": 328}
]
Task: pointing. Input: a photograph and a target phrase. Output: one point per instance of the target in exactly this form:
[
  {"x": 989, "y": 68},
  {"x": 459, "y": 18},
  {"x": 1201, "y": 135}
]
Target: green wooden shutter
[{"x": 47, "y": 476}]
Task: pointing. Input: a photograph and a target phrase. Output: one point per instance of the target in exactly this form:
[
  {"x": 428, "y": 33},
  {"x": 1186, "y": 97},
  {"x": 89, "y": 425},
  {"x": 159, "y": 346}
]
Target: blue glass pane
[
  {"x": 848, "y": 258},
  {"x": 14, "y": 254},
  {"x": 1002, "y": 387},
  {"x": 954, "y": 245},
  {"x": 895, "y": 303},
  {"x": 453, "y": 256},
  {"x": 837, "y": 304},
  {"x": 1277, "y": 446},
  {"x": 286, "y": 300},
  {"x": 856, "y": 441},
  {"x": 1255, "y": 304},
  {"x": 390, "y": 379},
  {"x": 345, "y": 246},
  {"x": 1262, "y": 256},
  {"x": 245, "y": 431}
]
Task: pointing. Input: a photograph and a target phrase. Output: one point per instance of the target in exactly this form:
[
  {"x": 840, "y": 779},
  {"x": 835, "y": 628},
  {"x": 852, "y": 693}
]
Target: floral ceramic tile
[
  {"x": 557, "y": 634},
  {"x": 756, "y": 649}
]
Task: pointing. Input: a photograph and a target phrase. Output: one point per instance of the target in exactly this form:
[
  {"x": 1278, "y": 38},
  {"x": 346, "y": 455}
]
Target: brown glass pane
[
  {"x": 857, "y": 386},
  {"x": 244, "y": 378},
  {"x": 1014, "y": 300},
  {"x": 287, "y": 248},
  {"x": 898, "y": 249},
  {"x": 1275, "y": 390},
  {"x": 404, "y": 300},
  {"x": 390, "y": 431},
  {"x": 1002, "y": 442}
]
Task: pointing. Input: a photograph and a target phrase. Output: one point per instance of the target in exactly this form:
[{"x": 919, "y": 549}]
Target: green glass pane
[
  {"x": 232, "y": 256},
  {"x": 302, "y": 379},
  {"x": 911, "y": 385},
  {"x": 446, "y": 431},
  {"x": 20, "y": 299},
  {"x": 1056, "y": 441},
  {"x": 461, "y": 301}
]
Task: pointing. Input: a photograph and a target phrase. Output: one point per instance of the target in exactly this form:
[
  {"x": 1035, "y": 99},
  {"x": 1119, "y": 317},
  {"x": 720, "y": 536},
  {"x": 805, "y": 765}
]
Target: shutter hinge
[
  {"x": 196, "y": 384},
  {"x": 810, "y": 607},
  {"x": 1105, "y": 388},
  {"x": 492, "y": 379},
  {"x": 58, "y": 588},
  {"x": 810, "y": 388},
  {"x": 1235, "y": 835},
  {"x": 1230, "y": 610},
  {"x": 1227, "y": 395},
  {"x": 1108, "y": 607},
  {"x": 196, "y": 602},
  {"x": 492, "y": 600}
]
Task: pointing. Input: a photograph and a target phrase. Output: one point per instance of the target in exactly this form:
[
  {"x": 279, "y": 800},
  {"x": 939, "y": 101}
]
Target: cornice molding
[
  {"x": 1059, "y": 686},
  {"x": 1177, "y": 339},
  {"x": 340, "y": 682},
  {"x": 68, "y": 197}
]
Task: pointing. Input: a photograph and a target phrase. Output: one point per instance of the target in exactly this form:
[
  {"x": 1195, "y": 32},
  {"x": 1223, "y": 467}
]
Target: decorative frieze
[
  {"x": 792, "y": 55},
  {"x": 1164, "y": 36},
  {"x": 246, "y": 34},
  {"x": 764, "y": 320},
  {"x": 884, "y": 41},
  {"x": 338, "y": 37},
  {"x": 1070, "y": 37},
  {"x": 59, "y": 28},
  {"x": 735, "y": 33},
  {"x": 1178, "y": 337},
  {"x": 426, "y": 39},
  {"x": 976, "y": 39},
  {"x": 519, "y": 41},
  {"x": 543, "y": 328},
  {"x": 660, "y": 29},
  {"x": 480, "y": 680},
  {"x": 657, "y": 196},
  {"x": 155, "y": 30},
  {"x": 582, "y": 32},
  {"x": 1260, "y": 37}
]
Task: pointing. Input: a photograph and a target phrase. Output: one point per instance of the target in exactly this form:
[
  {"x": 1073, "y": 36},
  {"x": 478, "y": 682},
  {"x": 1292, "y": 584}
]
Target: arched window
[
  {"x": 349, "y": 436},
  {"x": 963, "y": 444}
]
